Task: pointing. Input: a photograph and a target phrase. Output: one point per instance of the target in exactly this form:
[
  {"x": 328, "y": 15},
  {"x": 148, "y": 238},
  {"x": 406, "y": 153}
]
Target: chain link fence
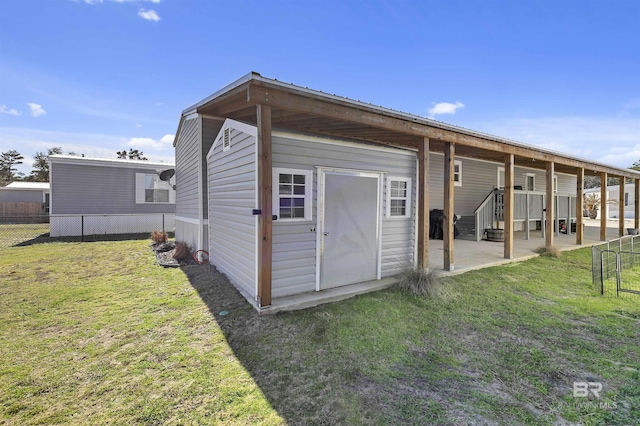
[
  {"x": 20, "y": 230},
  {"x": 615, "y": 265},
  {"x": 27, "y": 230}
]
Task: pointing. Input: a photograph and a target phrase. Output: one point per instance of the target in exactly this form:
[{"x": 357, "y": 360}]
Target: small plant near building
[
  {"x": 159, "y": 237},
  {"x": 417, "y": 281},
  {"x": 182, "y": 251},
  {"x": 549, "y": 251}
]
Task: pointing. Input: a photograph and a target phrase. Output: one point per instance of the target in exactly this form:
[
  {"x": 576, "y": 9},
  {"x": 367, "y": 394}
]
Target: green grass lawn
[
  {"x": 97, "y": 333},
  {"x": 13, "y": 234}
]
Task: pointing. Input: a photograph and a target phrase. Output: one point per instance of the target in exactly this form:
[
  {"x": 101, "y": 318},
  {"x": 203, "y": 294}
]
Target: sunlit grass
[{"x": 98, "y": 333}]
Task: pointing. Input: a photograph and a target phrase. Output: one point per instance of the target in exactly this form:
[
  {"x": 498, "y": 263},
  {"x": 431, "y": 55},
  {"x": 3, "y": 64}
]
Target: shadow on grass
[
  {"x": 46, "y": 238},
  {"x": 282, "y": 355}
]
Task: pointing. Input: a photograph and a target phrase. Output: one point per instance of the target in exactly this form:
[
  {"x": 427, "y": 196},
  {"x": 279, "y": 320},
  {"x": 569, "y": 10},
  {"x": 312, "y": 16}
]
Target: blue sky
[{"x": 98, "y": 76}]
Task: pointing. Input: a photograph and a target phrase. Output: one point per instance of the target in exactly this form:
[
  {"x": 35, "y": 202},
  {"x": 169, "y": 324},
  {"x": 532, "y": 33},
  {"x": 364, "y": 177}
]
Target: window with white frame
[
  {"x": 457, "y": 173},
  {"x": 530, "y": 180},
  {"x": 150, "y": 189},
  {"x": 398, "y": 197},
  {"x": 501, "y": 178},
  {"x": 292, "y": 192}
]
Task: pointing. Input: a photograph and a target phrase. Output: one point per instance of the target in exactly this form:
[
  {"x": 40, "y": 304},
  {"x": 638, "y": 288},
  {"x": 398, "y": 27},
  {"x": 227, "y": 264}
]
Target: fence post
[
  {"x": 618, "y": 267},
  {"x": 82, "y": 228},
  {"x": 162, "y": 222},
  {"x": 602, "y": 273}
]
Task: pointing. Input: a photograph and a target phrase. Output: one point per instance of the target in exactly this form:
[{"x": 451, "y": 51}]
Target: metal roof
[
  {"x": 29, "y": 185},
  {"x": 254, "y": 76}
]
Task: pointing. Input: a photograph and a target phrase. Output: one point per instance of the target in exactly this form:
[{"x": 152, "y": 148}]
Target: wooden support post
[
  {"x": 265, "y": 192},
  {"x": 580, "y": 208},
  {"x": 423, "y": 204},
  {"x": 636, "y": 216},
  {"x": 556, "y": 220},
  {"x": 544, "y": 217},
  {"x": 508, "y": 206},
  {"x": 603, "y": 206},
  {"x": 447, "y": 238},
  {"x": 621, "y": 208},
  {"x": 550, "y": 201}
]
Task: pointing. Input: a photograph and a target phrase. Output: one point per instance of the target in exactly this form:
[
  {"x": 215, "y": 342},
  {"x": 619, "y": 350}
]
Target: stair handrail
[
  {"x": 486, "y": 200},
  {"x": 479, "y": 224}
]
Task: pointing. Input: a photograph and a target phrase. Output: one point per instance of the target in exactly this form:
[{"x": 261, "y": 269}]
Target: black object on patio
[{"x": 436, "y": 219}]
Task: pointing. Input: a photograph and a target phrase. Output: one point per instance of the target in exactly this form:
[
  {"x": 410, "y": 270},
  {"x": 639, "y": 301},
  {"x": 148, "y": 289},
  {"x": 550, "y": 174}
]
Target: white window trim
[
  {"x": 555, "y": 184},
  {"x": 526, "y": 181},
  {"x": 459, "y": 164},
  {"x": 500, "y": 169},
  {"x": 140, "y": 190},
  {"x": 407, "y": 212},
  {"x": 308, "y": 193}
]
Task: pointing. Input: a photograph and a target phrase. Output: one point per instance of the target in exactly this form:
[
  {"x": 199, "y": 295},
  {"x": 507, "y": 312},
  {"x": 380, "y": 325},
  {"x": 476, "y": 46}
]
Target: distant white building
[
  {"x": 92, "y": 196},
  {"x": 613, "y": 194},
  {"x": 25, "y": 192}
]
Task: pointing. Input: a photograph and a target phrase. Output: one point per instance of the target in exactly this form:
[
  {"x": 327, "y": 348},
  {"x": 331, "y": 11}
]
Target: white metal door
[{"x": 349, "y": 228}]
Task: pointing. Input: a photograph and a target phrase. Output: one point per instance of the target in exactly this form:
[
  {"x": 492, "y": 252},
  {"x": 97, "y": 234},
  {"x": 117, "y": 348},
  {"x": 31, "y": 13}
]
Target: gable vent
[{"x": 226, "y": 141}]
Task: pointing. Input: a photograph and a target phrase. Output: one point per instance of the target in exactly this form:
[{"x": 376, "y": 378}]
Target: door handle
[{"x": 326, "y": 234}]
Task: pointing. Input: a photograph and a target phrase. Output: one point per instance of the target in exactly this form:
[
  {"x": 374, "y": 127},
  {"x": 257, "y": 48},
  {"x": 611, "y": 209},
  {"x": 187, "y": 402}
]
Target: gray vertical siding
[
  {"x": 294, "y": 244},
  {"x": 187, "y": 157},
  {"x": 90, "y": 189},
  {"x": 232, "y": 196}
]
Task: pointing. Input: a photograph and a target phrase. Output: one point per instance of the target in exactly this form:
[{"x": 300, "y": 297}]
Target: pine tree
[
  {"x": 133, "y": 154},
  {"x": 8, "y": 173},
  {"x": 40, "y": 172}
]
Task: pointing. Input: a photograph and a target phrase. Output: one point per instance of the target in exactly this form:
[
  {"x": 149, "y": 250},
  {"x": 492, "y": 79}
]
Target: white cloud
[
  {"x": 28, "y": 141},
  {"x": 138, "y": 125},
  {"x": 168, "y": 139},
  {"x": 149, "y": 15},
  {"x": 148, "y": 143},
  {"x": 445, "y": 108},
  {"x": 92, "y": 2},
  {"x": 6, "y": 110},
  {"x": 36, "y": 109}
]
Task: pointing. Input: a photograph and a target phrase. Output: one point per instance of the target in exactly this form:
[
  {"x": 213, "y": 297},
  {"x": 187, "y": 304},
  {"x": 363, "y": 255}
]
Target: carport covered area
[{"x": 475, "y": 255}]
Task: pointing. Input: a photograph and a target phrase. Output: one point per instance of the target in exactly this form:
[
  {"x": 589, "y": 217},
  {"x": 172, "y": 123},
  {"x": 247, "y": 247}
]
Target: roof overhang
[
  {"x": 108, "y": 162},
  {"x": 300, "y": 109}
]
